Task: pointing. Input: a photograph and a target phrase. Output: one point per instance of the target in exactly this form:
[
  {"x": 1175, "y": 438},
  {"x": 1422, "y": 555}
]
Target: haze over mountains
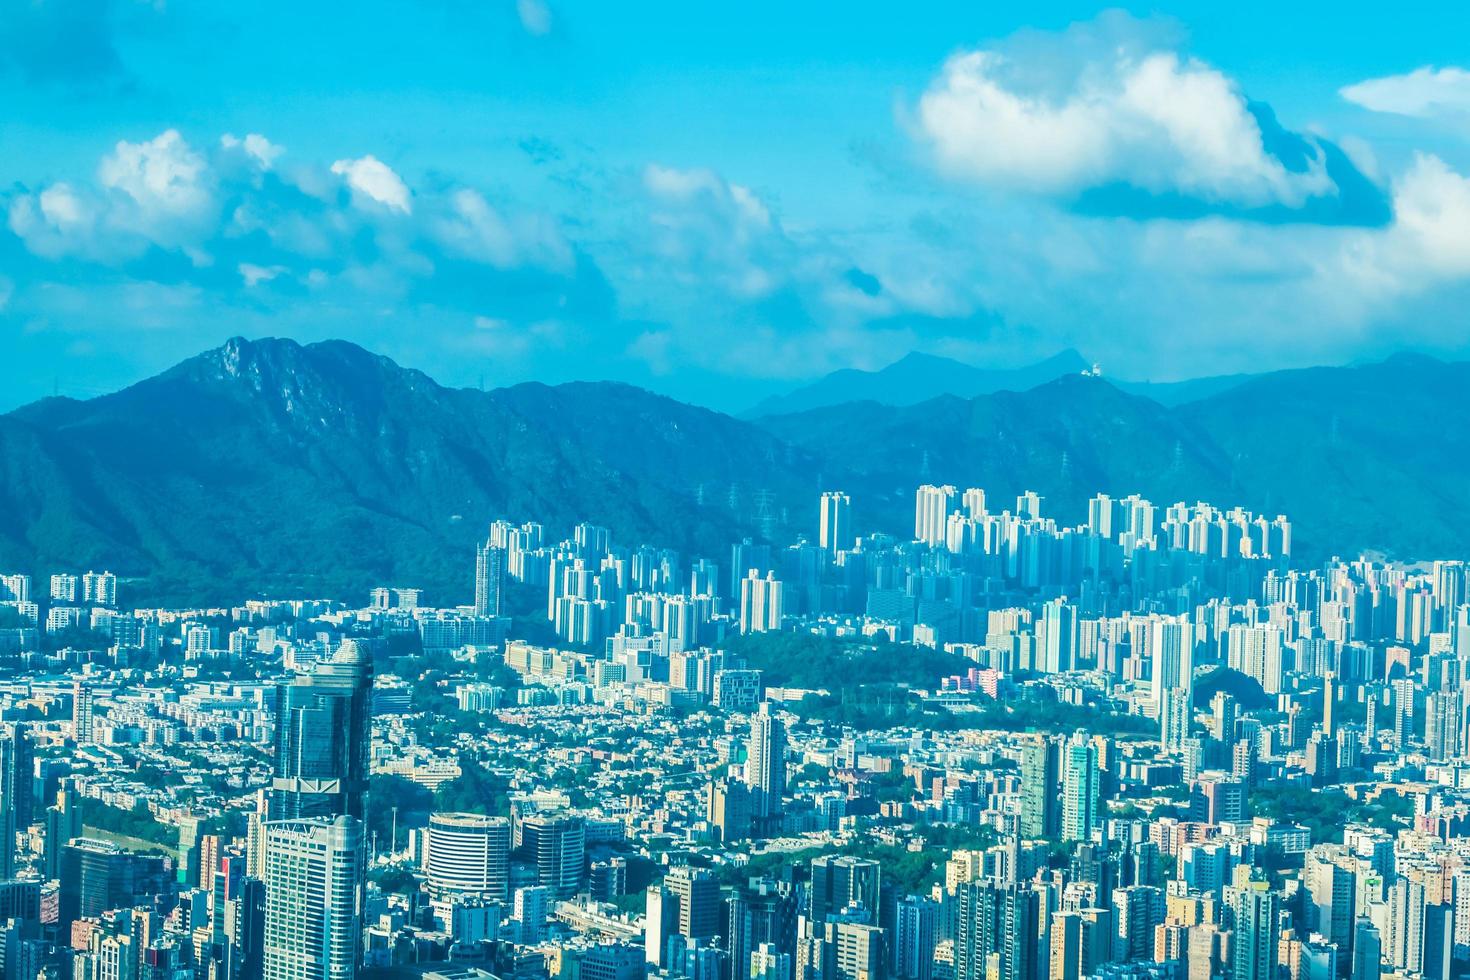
[
  {"x": 325, "y": 470},
  {"x": 918, "y": 377}
]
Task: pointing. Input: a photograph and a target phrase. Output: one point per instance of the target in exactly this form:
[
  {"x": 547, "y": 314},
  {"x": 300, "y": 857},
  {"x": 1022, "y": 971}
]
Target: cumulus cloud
[
  {"x": 372, "y": 179},
  {"x": 256, "y": 147},
  {"x": 163, "y": 176},
  {"x": 472, "y": 228},
  {"x": 1425, "y": 92},
  {"x": 714, "y": 230},
  {"x": 1106, "y": 113}
]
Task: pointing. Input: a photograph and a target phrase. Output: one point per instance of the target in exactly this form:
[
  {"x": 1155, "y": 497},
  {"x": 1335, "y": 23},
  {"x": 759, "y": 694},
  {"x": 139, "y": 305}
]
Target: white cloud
[
  {"x": 164, "y": 177},
  {"x": 372, "y": 178},
  {"x": 1424, "y": 92},
  {"x": 1148, "y": 118},
  {"x": 254, "y": 275},
  {"x": 257, "y": 147},
  {"x": 471, "y": 228},
  {"x": 535, "y": 17}
]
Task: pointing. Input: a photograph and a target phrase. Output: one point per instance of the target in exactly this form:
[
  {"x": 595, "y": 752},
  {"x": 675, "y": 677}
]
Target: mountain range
[
  {"x": 917, "y": 377},
  {"x": 268, "y": 467}
]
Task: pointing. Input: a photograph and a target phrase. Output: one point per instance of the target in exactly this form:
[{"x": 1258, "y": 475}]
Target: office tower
[
  {"x": 1041, "y": 811},
  {"x": 323, "y": 722},
  {"x": 761, "y": 602},
  {"x": 63, "y": 825},
  {"x": 765, "y": 768},
  {"x": 81, "y": 712},
  {"x": 607, "y": 881},
  {"x": 17, "y": 765},
  {"x": 558, "y": 843},
  {"x": 1081, "y": 790},
  {"x": 1056, "y": 636},
  {"x": 314, "y": 869},
  {"x": 762, "y": 915},
  {"x": 997, "y": 932},
  {"x": 97, "y": 876},
  {"x": 1367, "y": 951},
  {"x": 834, "y": 533},
  {"x": 467, "y": 854},
  {"x": 1329, "y": 702},
  {"x": 932, "y": 506},
  {"x": 489, "y": 579},
  {"x": 915, "y": 934},
  {"x": 693, "y": 897},
  {"x": 1257, "y": 933},
  {"x": 839, "y": 881}
]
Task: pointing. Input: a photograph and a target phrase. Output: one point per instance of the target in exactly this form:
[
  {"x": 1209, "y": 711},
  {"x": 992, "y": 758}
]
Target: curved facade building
[{"x": 468, "y": 854}]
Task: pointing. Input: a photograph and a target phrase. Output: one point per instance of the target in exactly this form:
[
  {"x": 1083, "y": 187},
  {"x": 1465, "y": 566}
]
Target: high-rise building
[
  {"x": 1367, "y": 951},
  {"x": 761, "y": 602},
  {"x": 915, "y": 934},
  {"x": 468, "y": 854},
  {"x": 1041, "y": 779},
  {"x": 762, "y": 915},
  {"x": 97, "y": 876},
  {"x": 997, "y": 932},
  {"x": 17, "y": 762},
  {"x": 1173, "y": 658},
  {"x": 1081, "y": 789},
  {"x": 839, "y": 881},
  {"x": 834, "y": 532},
  {"x": 313, "y": 898},
  {"x": 81, "y": 712},
  {"x": 932, "y": 506},
  {"x": 558, "y": 844},
  {"x": 695, "y": 894},
  {"x": 765, "y": 768},
  {"x": 489, "y": 579},
  {"x": 322, "y": 731},
  {"x": 63, "y": 825},
  {"x": 1257, "y": 934}
]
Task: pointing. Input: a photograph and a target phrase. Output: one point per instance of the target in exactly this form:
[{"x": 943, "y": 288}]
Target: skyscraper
[
  {"x": 833, "y": 532},
  {"x": 1041, "y": 763},
  {"x": 81, "y": 712},
  {"x": 1081, "y": 790},
  {"x": 1257, "y": 934},
  {"x": 765, "y": 768},
  {"x": 489, "y": 579},
  {"x": 841, "y": 880},
  {"x": 17, "y": 762},
  {"x": 313, "y": 898},
  {"x": 997, "y": 931},
  {"x": 322, "y": 729},
  {"x": 931, "y": 513},
  {"x": 761, "y": 602},
  {"x": 558, "y": 843}
]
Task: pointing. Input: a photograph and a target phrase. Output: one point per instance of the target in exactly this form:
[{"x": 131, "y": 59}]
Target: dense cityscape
[{"x": 1147, "y": 745}]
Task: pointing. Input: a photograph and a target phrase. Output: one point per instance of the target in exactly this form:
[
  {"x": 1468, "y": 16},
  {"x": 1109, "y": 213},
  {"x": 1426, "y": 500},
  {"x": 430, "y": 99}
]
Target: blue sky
[{"x": 720, "y": 201}]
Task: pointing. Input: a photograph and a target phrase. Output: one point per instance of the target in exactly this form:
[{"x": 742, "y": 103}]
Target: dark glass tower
[{"x": 323, "y": 724}]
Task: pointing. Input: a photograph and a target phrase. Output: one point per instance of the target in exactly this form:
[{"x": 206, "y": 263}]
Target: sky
[{"x": 723, "y": 201}]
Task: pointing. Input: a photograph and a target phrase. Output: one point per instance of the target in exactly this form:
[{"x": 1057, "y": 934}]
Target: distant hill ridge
[
  {"x": 323, "y": 469},
  {"x": 917, "y": 377}
]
